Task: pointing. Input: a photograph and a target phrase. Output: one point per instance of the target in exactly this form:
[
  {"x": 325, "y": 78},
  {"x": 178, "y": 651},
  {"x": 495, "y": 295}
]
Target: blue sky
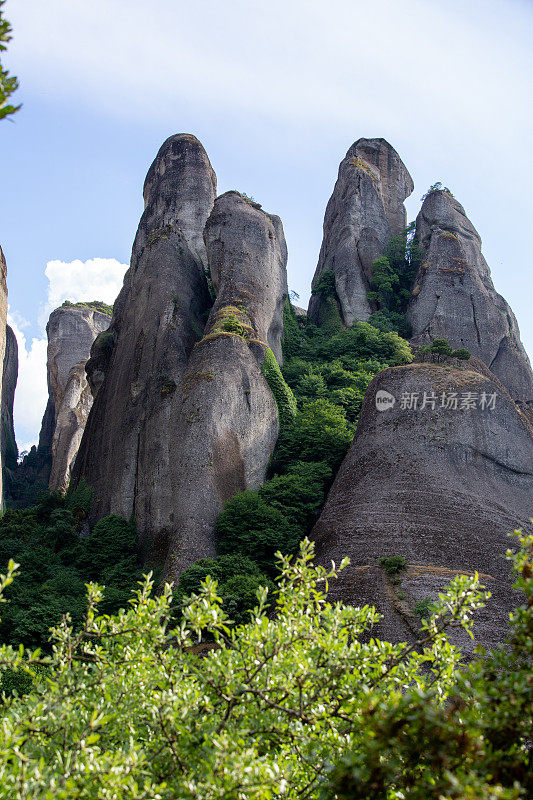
[{"x": 277, "y": 92}]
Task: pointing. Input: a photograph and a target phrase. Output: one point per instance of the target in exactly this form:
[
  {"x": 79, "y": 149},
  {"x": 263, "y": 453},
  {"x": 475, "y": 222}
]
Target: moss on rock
[{"x": 283, "y": 395}]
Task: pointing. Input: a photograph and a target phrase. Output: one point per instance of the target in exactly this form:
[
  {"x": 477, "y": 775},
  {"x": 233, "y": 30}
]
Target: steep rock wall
[
  {"x": 9, "y": 384},
  {"x": 71, "y": 331},
  {"x": 442, "y": 487},
  {"x": 225, "y": 419},
  {"x": 364, "y": 212},
  {"x": 454, "y": 297},
  {"x": 136, "y": 365}
]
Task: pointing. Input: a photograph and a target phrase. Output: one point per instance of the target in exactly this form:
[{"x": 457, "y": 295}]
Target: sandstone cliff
[
  {"x": 3, "y": 318},
  {"x": 224, "y": 423},
  {"x": 440, "y": 484},
  {"x": 71, "y": 331},
  {"x": 364, "y": 212},
  {"x": 9, "y": 383},
  {"x": 454, "y": 297},
  {"x": 136, "y": 365}
]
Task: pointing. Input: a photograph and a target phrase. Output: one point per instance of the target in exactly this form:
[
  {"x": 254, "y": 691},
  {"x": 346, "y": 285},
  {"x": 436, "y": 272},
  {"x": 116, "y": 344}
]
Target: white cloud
[
  {"x": 31, "y": 394},
  {"x": 94, "y": 279}
]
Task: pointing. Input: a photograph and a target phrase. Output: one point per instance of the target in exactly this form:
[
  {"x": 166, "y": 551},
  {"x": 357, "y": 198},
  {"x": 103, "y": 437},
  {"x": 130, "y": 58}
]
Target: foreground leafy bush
[{"x": 302, "y": 704}]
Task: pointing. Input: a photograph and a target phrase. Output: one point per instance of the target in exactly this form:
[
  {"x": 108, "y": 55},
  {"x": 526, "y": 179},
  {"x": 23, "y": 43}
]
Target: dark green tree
[{"x": 8, "y": 83}]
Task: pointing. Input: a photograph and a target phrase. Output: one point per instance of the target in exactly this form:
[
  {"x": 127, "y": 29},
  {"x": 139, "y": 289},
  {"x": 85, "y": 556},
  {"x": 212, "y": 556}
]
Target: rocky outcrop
[
  {"x": 440, "y": 476},
  {"x": 364, "y": 212},
  {"x": 454, "y": 297},
  {"x": 3, "y": 319},
  {"x": 137, "y": 364},
  {"x": 71, "y": 331},
  {"x": 9, "y": 383},
  {"x": 225, "y": 420}
]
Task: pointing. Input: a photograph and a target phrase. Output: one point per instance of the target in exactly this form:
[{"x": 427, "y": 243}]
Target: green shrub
[
  {"x": 238, "y": 580},
  {"x": 248, "y": 524},
  {"x": 364, "y": 341},
  {"x": 393, "y": 564},
  {"x": 387, "y": 321},
  {"x": 320, "y": 432},
  {"x": 239, "y": 595},
  {"x": 462, "y": 354},
  {"x": 232, "y": 324},
  {"x": 221, "y": 568},
  {"x": 325, "y": 285},
  {"x": 423, "y": 608},
  {"x": 292, "y": 336},
  {"x": 441, "y": 347},
  {"x": 299, "y": 493}
]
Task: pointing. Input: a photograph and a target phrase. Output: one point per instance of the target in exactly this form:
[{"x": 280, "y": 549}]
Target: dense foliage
[
  {"x": 302, "y": 704},
  {"x": 393, "y": 275},
  {"x": 56, "y": 563}
]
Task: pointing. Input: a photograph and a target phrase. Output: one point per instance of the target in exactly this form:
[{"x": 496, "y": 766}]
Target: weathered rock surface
[
  {"x": 225, "y": 419},
  {"x": 9, "y": 384},
  {"x": 71, "y": 331},
  {"x": 454, "y": 297},
  {"x": 441, "y": 487},
  {"x": 3, "y": 319},
  {"x": 364, "y": 212},
  {"x": 136, "y": 365}
]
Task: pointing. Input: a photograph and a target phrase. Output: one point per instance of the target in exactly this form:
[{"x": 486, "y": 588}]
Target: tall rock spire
[
  {"x": 9, "y": 382},
  {"x": 364, "y": 212},
  {"x": 454, "y": 297},
  {"x": 71, "y": 331},
  {"x": 224, "y": 421},
  {"x": 137, "y": 364}
]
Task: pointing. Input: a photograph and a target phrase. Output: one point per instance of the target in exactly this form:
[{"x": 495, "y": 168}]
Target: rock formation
[
  {"x": 137, "y": 364},
  {"x": 454, "y": 297},
  {"x": 364, "y": 212},
  {"x": 440, "y": 477},
  {"x": 9, "y": 383},
  {"x": 71, "y": 331},
  {"x": 225, "y": 421},
  {"x": 3, "y": 318}
]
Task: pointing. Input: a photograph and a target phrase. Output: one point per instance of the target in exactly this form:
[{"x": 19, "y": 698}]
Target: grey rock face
[
  {"x": 71, "y": 332},
  {"x": 179, "y": 191},
  {"x": 3, "y": 318},
  {"x": 454, "y": 297},
  {"x": 441, "y": 487},
  {"x": 247, "y": 259},
  {"x": 364, "y": 212},
  {"x": 225, "y": 420},
  {"x": 136, "y": 365},
  {"x": 9, "y": 384}
]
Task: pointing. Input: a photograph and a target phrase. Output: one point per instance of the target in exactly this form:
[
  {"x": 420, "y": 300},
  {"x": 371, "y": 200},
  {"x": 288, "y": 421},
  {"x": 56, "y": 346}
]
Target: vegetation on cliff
[
  {"x": 393, "y": 275},
  {"x": 95, "y": 305},
  {"x": 56, "y": 562}
]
